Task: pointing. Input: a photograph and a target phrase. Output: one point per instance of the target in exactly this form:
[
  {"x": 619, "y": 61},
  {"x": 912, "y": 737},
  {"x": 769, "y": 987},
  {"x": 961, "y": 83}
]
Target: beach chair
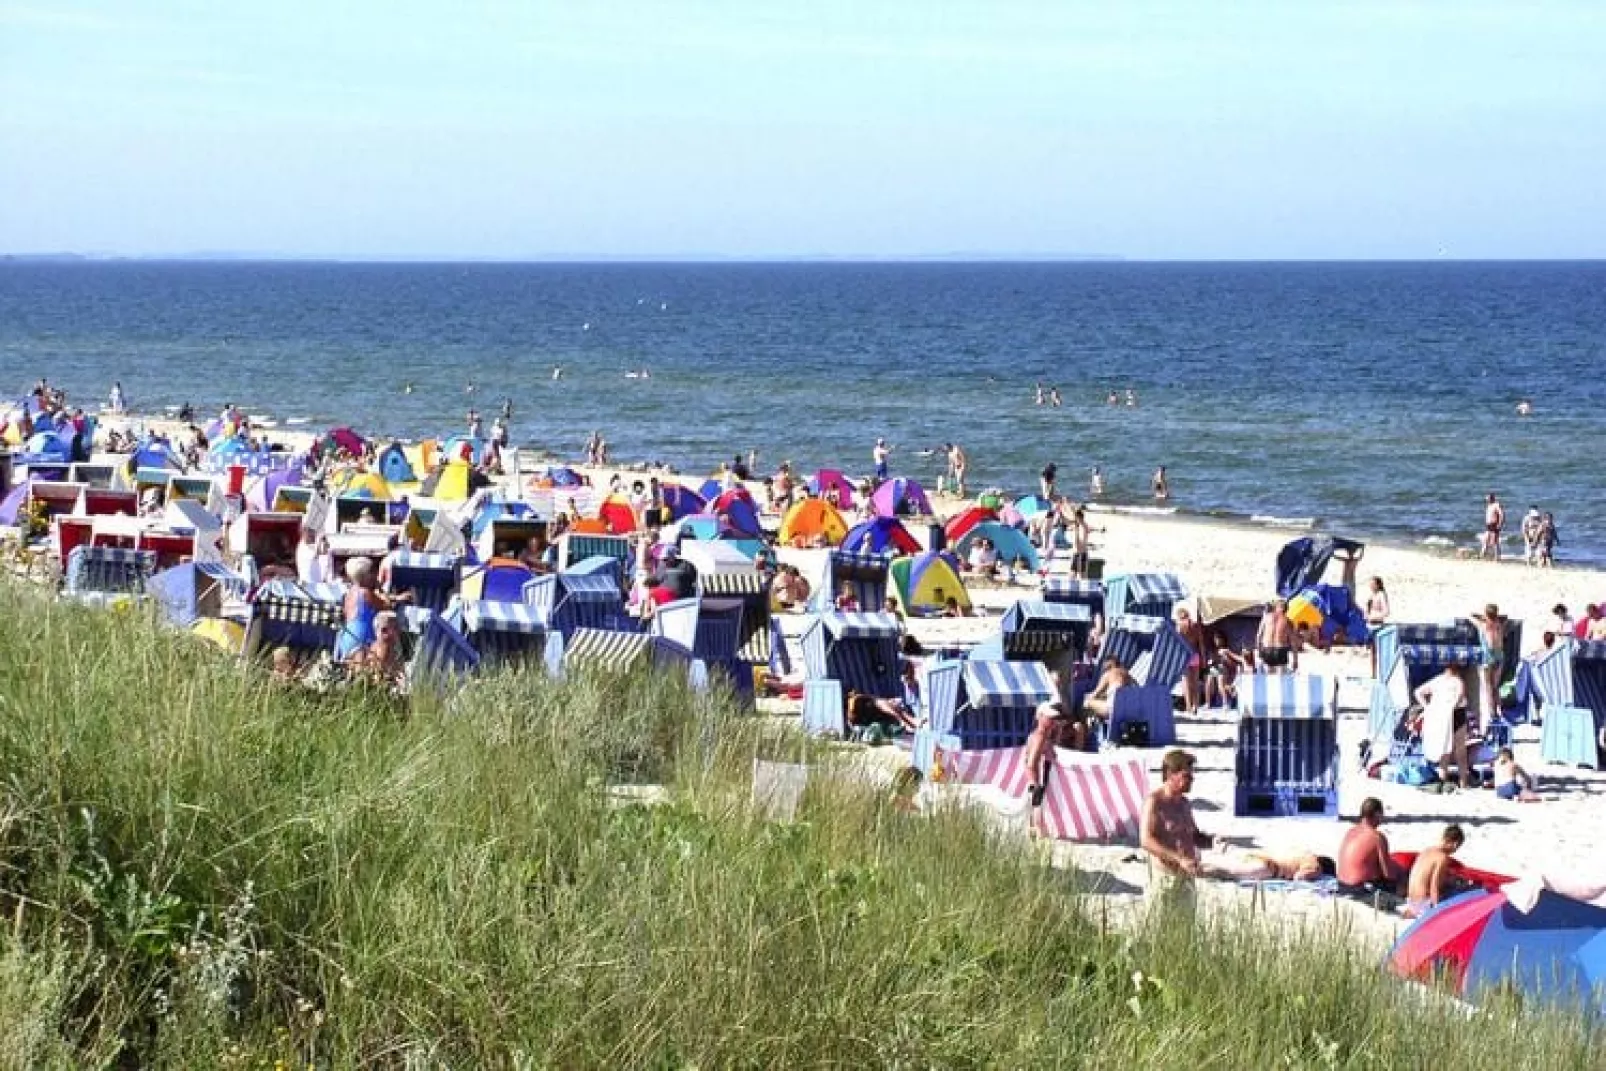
[
  {"x": 866, "y": 574},
  {"x": 619, "y": 653},
  {"x": 1144, "y": 594},
  {"x": 939, "y": 695},
  {"x": 101, "y": 575},
  {"x": 1063, "y": 590},
  {"x": 303, "y": 618},
  {"x": 441, "y": 654},
  {"x": 997, "y": 704},
  {"x": 195, "y": 590},
  {"x": 504, "y": 633},
  {"x": 1286, "y": 758},
  {"x": 1054, "y": 634},
  {"x": 571, "y": 601},
  {"x": 432, "y": 578},
  {"x": 858, "y": 649}
]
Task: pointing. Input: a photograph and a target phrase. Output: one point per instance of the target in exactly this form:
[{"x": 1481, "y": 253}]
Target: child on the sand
[{"x": 1512, "y": 782}]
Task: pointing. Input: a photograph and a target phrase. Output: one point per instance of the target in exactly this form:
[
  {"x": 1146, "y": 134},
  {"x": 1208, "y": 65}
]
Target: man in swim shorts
[
  {"x": 1365, "y": 871},
  {"x": 1277, "y": 641},
  {"x": 1494, "y": 519}
]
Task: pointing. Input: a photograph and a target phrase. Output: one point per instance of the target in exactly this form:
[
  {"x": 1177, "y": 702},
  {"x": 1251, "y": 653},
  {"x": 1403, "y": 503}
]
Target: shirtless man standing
[
  {"x": 1170, "y": 837},
  {"x": 1277, "y": 642},
  {"x": 1364, "y": 866},
  {"x": 1494, "y": 519},
  {"x": 1430, "y": 874},
  {"x": 956, "y": 467}
]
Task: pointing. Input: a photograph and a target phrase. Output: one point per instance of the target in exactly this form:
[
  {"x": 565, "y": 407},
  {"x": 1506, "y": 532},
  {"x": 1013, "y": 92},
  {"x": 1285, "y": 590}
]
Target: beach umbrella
[
  {"x": 682, "y": 501},
  {"x": 1554, "y": 953},
  {"x": 1010, "y": 543}
]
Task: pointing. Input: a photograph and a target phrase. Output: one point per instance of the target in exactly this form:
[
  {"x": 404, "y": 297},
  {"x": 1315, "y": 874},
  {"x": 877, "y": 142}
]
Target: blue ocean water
[{"x": 1375, "y": 399}]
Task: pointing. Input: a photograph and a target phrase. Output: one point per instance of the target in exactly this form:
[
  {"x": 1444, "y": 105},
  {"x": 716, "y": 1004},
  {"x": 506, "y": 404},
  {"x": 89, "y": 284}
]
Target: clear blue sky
[{"x": 1296, "y": 128}]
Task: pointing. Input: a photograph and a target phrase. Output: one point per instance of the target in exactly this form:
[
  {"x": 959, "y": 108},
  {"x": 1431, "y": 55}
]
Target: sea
[{"x": 1373, "y": 400}]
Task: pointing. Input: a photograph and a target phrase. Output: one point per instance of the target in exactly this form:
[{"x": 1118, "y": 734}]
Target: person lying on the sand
[
  {"x": 1431, "y": 879},
  {"x": 1239, "y": 865}
]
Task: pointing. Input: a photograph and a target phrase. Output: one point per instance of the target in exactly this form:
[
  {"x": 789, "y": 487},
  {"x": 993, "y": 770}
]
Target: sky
[{"x": 837, "y": 128}]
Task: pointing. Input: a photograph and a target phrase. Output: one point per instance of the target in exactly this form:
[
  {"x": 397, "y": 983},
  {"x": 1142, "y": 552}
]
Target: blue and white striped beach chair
[{"x": 1287, "y": 752}]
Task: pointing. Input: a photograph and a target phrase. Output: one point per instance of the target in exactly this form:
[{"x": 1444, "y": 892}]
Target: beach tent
[
  {"x": 345, "y": 439},
  {"x": 1054, "y": 634},
  {"x": 498, "y": 580},
  {"x": 711, "y": 489},
  {"x": 866, "y": 574},
  {"x": 1011, "y": 544},
  {"x": 959, "y": 525},
  {"x": 682, "y": 501},
  {"x": 1144, "y": 594},
  {"x": 1286, "y": 759},
  {"x": 1029, "y": 506},
  {"x": 995, "y": 707},
  {"x": 901, "y": 497},
  {"x": 1072, "y": 590},
  {"x": 880, "y": 535},
  {"x": 369, "y": 485},
  {"x": 926, "y": 581},
  {"x": 47, "y": 447},
  {"x": 699, "y": 527},
  {"x": 392, "y": 465},
  {"x": 450, "y": 484},
  {"x": 1481, "y": 942},
  {"x": 156, "y": 453},
  {"x": 616, "y": 512},
  {"x": 573, "y": 600},
  {"x": 562, "y": 476},
  {"x": 832, "y": 486},
  {"x": 195, "y": 590},
  {"x": 858, "y": 649},
  {"x": 1303, "y": 562},
  {"x": 812, "y": 521},
  {"x": 504, "y": 632},
  {"x": 738, "y": 514},
  {"x": 432, "y": 578}
]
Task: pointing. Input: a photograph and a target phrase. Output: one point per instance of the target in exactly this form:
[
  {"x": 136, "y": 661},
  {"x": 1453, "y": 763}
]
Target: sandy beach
[{"x": 1559, "y": 834}]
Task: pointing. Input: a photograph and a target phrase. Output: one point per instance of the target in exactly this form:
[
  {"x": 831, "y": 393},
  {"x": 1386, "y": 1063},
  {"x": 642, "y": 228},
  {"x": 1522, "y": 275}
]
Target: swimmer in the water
[
  {"x": 407, "y": 389},
  {"x": 557, "y": 371},
  {"x": 1525, "y": 408},
  {"x": 470, "y": 388}
]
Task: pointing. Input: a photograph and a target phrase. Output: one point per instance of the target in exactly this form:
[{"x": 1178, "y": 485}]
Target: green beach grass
[{"x": 200, "y": 868}]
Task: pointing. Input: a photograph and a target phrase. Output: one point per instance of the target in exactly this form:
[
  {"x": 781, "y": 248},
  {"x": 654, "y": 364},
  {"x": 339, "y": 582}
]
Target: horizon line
[{"x": 224, "y": 257}]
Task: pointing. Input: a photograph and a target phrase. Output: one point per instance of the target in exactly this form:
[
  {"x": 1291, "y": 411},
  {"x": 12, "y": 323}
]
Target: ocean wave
[
  {"x": 1145, "y": 511},
  {"x": 1437, "y": 541},
  {"x": 1273, "y": 521}
]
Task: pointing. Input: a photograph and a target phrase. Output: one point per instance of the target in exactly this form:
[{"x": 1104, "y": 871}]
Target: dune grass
[{"x": 199, "y": 868}]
